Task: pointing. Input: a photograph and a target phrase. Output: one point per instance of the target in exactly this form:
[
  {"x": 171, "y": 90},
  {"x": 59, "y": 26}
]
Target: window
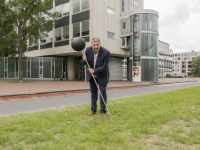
[
  {"x": 84, "y": 4},
  {"x": 81, "y": 29},
  {"x": 85, "y": 28},
  {"x": 80, "y": 5},
  {"x": 111, "y": 35},
  {"x": 47, "y": 38},
  {"x": 33, "y": 42},
  {"x": 76, "y": 30},
  {"x": 62, "y": 33},
  {"x": 124, "y": 25},
  {"x": 66, "y": 9},
  {"x": 65, "y": 33},
  {"x": 58, "y": 34},
  {"x": 111, "y": 11},
  {"x": 122, "y": 5},
  {"x": 63, "y": 9},
  {"x": 59, "y": 10},
  {"x": 43, "y": 38},
  {"x": 124, "y": 41}
]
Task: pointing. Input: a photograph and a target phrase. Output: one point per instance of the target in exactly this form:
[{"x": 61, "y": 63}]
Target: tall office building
[
  {"x": 165, "y": 59},
  {"x": 182, "y": 62},
  {"x": 124, "y": 28}
]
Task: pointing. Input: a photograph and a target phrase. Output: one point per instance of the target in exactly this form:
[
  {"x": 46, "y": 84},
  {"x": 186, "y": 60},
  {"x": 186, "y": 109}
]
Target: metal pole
[
  {"x": 98, "y": 87},
  {"x": 85, "y": 74}
]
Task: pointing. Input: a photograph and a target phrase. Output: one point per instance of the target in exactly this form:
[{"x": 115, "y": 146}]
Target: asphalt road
[{"x": 32, "y": 105}]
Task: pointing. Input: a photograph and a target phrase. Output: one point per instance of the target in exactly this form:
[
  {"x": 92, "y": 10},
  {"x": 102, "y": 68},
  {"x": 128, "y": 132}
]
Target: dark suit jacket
[{"x": 101, "y": 68}]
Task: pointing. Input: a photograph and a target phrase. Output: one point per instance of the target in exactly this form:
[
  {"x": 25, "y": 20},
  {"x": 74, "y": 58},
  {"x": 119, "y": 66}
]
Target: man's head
[{"x": 96, "y": 43}]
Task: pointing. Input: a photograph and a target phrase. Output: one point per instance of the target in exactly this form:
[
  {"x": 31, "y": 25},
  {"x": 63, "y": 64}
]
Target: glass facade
[
  {"x": 145, "y": 45},
  {"x": 149, "y": 45},
  {"x": 150, "y": 70},
  {"x": 11, "y": 68},
  {"x": 58, "y": 66},
  {"x": 149, "y": 22},
  {"x": 136, "y": 24},
  {"x": 33, "y": 67},
  {"x": 2, "y": 68},
  {"x": 47, "y": 67}
]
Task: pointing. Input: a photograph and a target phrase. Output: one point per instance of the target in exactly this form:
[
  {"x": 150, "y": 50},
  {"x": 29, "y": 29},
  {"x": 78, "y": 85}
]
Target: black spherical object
[{"x": 78, "y": 44}]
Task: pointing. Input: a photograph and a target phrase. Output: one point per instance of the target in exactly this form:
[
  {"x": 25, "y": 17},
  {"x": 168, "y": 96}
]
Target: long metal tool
[{"x": 97, "y": 86}]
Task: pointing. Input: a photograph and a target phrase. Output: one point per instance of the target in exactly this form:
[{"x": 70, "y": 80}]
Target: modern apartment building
[
  {"x": 124, "y": 27},
  {"x": 165, "y": 59},
  {"x": 182, "y": 62},
  {"x": 86, "y": 19}
]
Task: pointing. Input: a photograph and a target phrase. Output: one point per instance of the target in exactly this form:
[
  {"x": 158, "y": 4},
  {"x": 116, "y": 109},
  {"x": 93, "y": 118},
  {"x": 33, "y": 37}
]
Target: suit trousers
[{"x": 94, "y": 96}]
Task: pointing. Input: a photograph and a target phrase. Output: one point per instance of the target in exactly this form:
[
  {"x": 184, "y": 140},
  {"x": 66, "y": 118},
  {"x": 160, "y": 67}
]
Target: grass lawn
[{"x": 167, "y": 120}]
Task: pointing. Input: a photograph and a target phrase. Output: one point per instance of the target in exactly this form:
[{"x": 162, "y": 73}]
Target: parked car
[
  {"x": 170, "y": 76},
  {"x": 179, "y": 76}
]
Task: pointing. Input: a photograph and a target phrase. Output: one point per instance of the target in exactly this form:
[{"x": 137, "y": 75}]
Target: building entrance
[{"x": 79, "y": 69}]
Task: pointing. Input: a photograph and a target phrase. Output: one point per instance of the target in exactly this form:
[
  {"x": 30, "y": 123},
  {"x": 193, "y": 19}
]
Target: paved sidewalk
[{"x": 12, "y": 87}]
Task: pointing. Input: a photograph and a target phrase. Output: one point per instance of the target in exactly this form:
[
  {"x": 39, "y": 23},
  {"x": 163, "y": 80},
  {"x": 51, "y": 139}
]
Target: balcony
[
  {"x": 125, "y": 47},
  {"x": 125, "y": 43}
]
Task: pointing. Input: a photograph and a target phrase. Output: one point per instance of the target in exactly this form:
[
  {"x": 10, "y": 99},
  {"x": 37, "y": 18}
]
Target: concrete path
[{"x": 12, "y": 87}]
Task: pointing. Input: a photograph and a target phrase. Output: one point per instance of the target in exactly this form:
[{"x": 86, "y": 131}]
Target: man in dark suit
[{"x": 98, "y": 59}]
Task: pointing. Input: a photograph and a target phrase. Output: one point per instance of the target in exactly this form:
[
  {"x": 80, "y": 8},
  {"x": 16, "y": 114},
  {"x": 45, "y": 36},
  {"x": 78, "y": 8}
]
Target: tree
[
  {"x": 6, "y": 45},
  {"x": 196, "y": 67},
  {"x": 29, "y": 17}
]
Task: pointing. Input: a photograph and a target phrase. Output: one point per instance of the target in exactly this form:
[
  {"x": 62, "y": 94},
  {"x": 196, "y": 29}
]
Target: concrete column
[
  {"x": 71, "y": 67},
  {"x": 128, "y": 70}
]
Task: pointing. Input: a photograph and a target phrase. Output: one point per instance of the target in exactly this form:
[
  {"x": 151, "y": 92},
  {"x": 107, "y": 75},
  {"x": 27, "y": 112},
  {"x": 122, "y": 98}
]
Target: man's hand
[
  {"x": 84, "y": 57},
  {"x": 91, "y": 70}
]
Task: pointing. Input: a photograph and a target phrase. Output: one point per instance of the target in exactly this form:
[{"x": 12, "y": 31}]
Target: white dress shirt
[{"x": 95, "y": 58}]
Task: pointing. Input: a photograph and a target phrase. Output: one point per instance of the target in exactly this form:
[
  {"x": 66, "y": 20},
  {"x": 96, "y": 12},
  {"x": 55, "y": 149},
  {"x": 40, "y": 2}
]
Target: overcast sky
[{"x": 179, "y": 23}]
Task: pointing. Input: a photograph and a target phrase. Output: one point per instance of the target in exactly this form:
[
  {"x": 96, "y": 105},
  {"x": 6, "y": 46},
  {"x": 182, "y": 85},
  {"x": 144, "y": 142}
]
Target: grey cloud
[
  {"x": 196, "y": 6},
  {"x": 176, "y": 18}
]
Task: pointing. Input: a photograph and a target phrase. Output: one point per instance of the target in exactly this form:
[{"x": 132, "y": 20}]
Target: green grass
[{"x": 167, "y": 120}]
